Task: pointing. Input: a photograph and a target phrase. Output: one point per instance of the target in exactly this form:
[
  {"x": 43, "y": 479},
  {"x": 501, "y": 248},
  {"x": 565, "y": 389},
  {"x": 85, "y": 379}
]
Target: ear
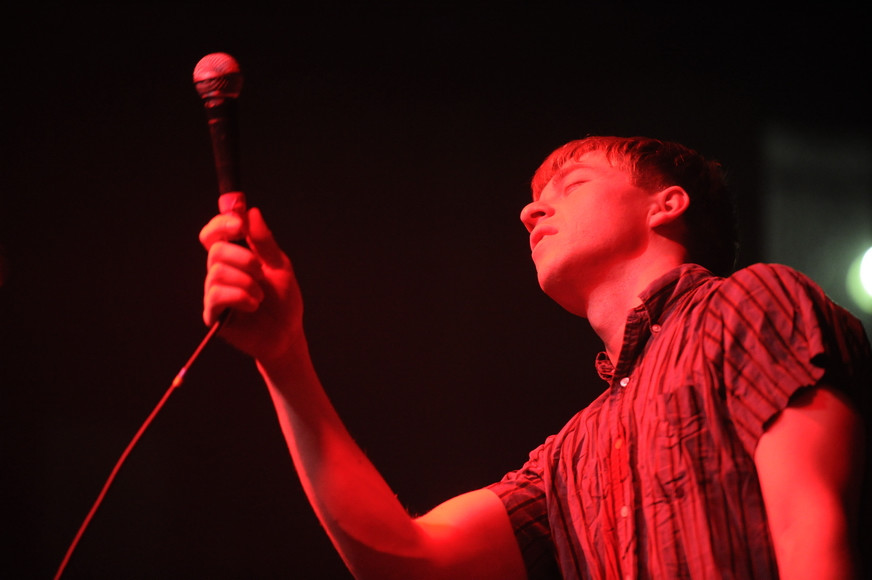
[{"x": 667, "y": 205}]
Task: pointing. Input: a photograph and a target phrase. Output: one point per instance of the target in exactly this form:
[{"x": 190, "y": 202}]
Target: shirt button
[
  {"x": 625, "y": 381},
  {"x": 625, "y": 511},
  {"x": 655, "y": 328},
  {"x": 619, "y": 443}
]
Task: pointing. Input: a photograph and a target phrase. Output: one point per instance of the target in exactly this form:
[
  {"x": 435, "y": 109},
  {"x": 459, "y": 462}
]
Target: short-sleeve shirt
[{"x": 656, "y": 478}]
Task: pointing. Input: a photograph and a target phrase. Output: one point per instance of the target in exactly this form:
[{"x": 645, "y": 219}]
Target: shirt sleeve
[
  {"x": 523, "y": 494},
  {"x": 780, "y": 333}
]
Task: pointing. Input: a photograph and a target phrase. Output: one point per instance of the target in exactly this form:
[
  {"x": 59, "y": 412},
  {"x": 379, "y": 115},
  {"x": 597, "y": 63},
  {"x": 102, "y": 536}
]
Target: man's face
[{"x": 587, "y": 226}]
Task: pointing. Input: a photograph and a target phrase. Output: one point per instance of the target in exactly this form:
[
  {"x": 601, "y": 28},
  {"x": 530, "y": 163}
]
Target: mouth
[{"x": 539, "y": 233}]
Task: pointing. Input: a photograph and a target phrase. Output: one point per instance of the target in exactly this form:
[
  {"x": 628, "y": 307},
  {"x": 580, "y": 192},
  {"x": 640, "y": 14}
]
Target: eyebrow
[{"x": 561, "y": 174}]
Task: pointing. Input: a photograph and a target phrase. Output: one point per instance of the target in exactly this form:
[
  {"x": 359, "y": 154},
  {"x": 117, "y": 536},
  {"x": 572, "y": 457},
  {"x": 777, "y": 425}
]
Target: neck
[{"x": 609, "y": 303}]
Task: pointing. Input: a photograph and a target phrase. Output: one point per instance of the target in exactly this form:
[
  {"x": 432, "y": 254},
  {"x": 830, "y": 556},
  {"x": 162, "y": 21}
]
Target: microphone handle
[{"x": 224, "y": 130}]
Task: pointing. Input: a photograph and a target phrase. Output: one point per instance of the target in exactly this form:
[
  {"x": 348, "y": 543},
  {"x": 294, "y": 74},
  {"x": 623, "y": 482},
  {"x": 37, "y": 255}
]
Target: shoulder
[
  {"x": 772, "y": 279},
  {"x": 779, "y": 292},
  {"x": 779, "y": 316},
  {"x": 766, "y": 290}
]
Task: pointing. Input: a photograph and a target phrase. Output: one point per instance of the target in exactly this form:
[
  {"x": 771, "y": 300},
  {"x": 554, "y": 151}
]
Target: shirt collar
[
  {"x": 658, "y": 300},
  {"x": 664, "y": 292}
]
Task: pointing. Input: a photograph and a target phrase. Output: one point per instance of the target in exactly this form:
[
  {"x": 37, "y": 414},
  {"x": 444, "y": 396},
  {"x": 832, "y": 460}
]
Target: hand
[{"x": 257, "y": 283}]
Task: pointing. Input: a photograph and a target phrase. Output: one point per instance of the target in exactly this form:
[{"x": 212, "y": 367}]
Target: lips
[{"x": 540, "y": 232}]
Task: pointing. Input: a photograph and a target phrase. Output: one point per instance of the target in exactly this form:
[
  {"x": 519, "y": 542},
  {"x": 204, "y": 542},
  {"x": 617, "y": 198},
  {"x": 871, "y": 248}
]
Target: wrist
[{"x": 290, "y": 361}]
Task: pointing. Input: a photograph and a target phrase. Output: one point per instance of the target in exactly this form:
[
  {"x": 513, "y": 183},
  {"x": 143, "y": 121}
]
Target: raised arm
[
  {"x": 466, "y": 537},
  {"x": 810, "y": 462}
]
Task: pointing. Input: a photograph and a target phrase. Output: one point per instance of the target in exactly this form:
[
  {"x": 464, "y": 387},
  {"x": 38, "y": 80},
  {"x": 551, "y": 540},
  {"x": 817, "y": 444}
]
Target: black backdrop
[{"x": 390, "y": 151}]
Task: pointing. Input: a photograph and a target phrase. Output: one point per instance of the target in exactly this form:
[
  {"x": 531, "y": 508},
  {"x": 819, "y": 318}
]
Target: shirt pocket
[{"x": 681, "y": 453}]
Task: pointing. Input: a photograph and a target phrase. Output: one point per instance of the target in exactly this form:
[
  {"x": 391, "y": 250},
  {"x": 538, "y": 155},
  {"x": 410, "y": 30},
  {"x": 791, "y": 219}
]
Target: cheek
[{"x": 628, "y": 223}]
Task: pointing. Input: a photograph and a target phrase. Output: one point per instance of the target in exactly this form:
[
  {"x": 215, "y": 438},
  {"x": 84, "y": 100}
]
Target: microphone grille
[{"x": 217, "y": 76}]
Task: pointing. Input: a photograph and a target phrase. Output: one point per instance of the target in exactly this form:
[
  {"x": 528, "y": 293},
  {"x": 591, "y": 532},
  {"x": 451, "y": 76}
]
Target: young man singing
[{"x": 727, "y": 442}]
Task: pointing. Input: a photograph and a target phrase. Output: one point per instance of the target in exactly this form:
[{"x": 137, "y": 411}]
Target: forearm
[{"x": 365, "y": 521}]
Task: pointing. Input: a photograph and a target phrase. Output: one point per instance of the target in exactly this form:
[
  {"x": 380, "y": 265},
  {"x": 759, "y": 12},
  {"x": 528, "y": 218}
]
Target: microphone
[{"x": 218, "y": 80}]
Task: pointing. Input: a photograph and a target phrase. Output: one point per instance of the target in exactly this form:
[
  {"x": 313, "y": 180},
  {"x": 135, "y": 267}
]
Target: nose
[{"x": 533, "y": 212}]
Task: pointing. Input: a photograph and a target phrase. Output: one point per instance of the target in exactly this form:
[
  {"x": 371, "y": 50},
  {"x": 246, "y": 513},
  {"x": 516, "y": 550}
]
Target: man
[{"x": 726, "y": 445}]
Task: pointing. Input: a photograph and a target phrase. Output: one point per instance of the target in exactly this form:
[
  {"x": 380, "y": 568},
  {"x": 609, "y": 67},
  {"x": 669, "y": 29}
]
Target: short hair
[{"x": 710, "y": 219}]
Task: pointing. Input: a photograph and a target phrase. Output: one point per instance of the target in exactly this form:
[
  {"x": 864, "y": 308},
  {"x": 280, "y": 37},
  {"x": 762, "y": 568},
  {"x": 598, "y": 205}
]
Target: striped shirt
[{"x": 656, "y": 479}]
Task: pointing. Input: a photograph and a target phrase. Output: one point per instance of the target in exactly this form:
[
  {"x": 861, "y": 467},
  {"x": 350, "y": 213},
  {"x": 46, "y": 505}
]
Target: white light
[
  {"x": 866, "y": 271},
  {"x": 859, "y": 281}
]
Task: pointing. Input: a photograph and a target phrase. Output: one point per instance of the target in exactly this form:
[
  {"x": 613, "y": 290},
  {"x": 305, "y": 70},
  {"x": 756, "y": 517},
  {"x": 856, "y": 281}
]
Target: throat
[{"x": 608, "y": 318}]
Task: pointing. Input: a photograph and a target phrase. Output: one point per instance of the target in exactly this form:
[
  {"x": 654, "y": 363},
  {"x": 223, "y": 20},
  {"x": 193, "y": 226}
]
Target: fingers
[
  {"x": 224, "y": 227},
  {"x": 217, "y": 299},
  {"x": 232, "y": 281},
  {"x": 233, "y": 255},
  {"x": 232, "y": 227},
  {"x": 237, "y": 275}
]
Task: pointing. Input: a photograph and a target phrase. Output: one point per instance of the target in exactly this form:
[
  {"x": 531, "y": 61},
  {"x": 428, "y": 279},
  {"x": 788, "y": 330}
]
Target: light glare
[
  {"x": 866, "y": 272},
  {"x": 859, "y": 281}
]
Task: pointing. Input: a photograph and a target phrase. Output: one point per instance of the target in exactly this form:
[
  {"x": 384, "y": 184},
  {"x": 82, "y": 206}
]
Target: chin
[{"x": 562, "y": 294}]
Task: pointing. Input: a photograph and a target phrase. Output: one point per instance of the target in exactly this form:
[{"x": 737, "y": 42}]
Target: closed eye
[{"x": 573, "y": 185}]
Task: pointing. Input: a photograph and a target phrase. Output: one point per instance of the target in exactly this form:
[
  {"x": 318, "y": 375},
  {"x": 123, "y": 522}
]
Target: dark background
[{"x": 390, "y": 150}]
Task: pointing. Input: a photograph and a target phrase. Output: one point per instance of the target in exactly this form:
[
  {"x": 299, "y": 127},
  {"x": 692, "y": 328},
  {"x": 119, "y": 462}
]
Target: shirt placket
[
  {"x": 622, "y": 483},
  {"x": 622, "y": 447}
]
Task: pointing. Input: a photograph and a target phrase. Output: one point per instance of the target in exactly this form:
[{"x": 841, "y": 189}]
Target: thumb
[{"x": 261, "y": 241}]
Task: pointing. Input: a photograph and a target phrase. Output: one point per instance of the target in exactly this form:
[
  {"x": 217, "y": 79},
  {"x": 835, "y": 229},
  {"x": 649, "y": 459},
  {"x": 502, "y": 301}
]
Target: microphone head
[{"x": 217, "y": 77}]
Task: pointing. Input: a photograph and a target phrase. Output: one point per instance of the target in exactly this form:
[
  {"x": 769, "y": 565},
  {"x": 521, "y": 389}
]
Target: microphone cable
[
  {"x": 218, "y": 81},
  {"x": 177, "y": 382}
]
